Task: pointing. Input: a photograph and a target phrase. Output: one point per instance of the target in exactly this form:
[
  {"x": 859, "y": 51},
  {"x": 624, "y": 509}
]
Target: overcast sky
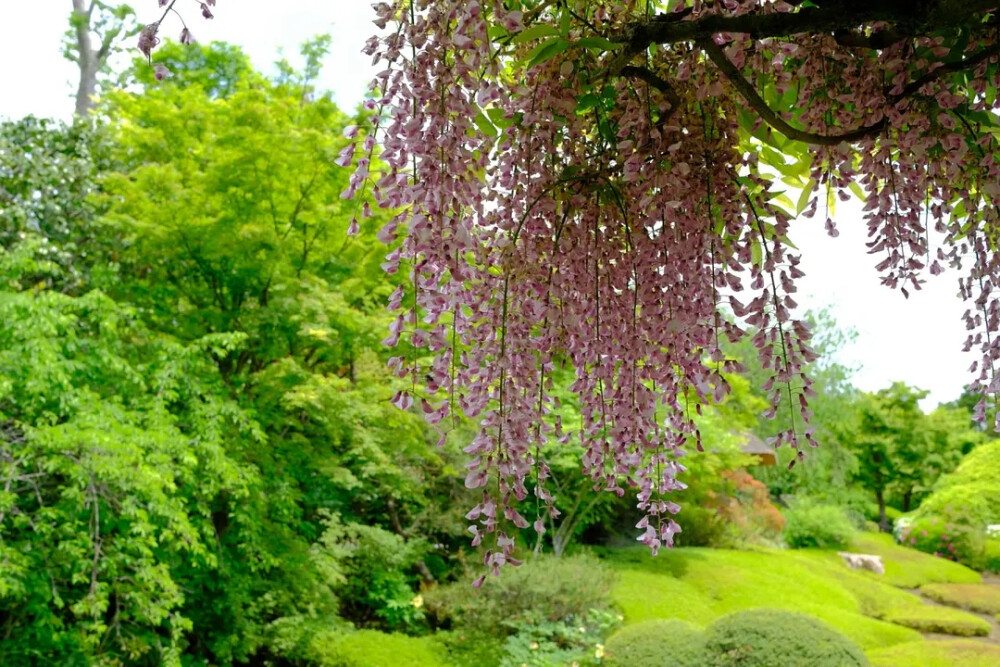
[{"x": 917, "y": 341}]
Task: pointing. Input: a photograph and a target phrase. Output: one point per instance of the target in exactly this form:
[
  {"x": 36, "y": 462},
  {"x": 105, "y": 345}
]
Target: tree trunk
[
  {"x": 907, "y": 498},
  {"x": 397, "y": 527},
  {"x": 883, "y": 521},
  {"x": 88, "y": 58}
]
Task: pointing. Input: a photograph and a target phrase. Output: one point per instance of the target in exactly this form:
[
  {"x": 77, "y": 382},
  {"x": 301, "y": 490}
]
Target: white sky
[{"x": 917, "y": 341}]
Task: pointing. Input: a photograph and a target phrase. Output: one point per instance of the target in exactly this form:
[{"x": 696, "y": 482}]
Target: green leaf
[
  {"x": 546, "y": 51},
  {"x": 484, "y": 125},
  {"x": 598, "y": 44},
  {"x": 804, "y": 197},
  {"x": 535, "y": 32},
  {"x": 585, "y": 103}
]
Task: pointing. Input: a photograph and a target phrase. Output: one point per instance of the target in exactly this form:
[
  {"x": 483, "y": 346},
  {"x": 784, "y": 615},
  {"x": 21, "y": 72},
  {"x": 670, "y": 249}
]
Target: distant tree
[
  {"x": 889, "y": 441},
  {"x": 901, "y": 450},
  {"x": 97, "y": 31}
]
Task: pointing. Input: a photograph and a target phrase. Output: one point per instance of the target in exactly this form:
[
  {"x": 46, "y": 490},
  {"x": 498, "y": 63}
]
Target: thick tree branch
[
  {"x": 757, "y": 103},
  {"x": 831, "y": 17}
]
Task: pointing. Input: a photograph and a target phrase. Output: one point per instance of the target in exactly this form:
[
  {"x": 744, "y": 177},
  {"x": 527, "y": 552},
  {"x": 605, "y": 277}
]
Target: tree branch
[
  {"x": 832, "y": 16},
  {"x": 753, "y": 98}
]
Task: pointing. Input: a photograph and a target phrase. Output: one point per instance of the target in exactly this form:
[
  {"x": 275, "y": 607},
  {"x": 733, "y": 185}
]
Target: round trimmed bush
[
  {"x": 770, "y": 637},
  {"x": 657, "y": 643},
  {"x": 808, "y": 525}
]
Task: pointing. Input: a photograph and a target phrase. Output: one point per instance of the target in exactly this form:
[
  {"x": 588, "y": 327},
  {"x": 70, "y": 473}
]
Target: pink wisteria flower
[{"x": 566, "y": 196}]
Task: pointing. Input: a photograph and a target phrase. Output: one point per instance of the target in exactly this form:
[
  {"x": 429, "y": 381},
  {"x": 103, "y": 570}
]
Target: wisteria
[{"x": 595, "y": 183}]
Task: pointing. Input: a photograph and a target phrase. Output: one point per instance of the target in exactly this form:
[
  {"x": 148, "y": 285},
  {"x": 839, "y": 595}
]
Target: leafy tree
[
  {"x": 228, "y": 210},
  {"x": 48, "y": 170},
  {"x": 901, "y": 449},
  {"x": 115, "y": 443}
]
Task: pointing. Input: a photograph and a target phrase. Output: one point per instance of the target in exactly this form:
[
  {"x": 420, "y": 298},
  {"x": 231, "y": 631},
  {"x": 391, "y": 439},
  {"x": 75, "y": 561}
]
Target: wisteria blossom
[{"x": 596, "y": 183}]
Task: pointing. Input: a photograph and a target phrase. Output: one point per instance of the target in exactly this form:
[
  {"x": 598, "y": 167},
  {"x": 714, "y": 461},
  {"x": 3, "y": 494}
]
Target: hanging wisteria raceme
[{"x": 594, "y": 184}]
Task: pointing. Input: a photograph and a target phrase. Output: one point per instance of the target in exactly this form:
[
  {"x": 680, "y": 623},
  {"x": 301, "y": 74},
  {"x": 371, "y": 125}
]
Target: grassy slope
[{"x": 704, "y": 584}]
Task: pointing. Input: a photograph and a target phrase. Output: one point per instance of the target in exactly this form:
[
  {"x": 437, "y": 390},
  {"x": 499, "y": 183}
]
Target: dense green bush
[
  {"x": 378, "y": 580},
  {"x": 565, "y": 642},
  {"x": 657, "y": 643},
  {"x": 955, "y": 540},
  {"x": 544, "y": 589},
  {"x": 771, "y": 637},
  {"x": 821, "y": 526}
]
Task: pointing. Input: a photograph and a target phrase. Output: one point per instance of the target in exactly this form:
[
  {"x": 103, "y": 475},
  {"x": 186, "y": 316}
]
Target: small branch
[{"x": 655, "y": 81}]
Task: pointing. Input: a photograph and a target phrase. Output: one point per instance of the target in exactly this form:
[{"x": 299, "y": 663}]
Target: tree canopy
[{"x": 602, "y": 182}]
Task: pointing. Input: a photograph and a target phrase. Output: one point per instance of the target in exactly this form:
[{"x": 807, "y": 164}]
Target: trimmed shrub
[
  {"x": 769, "y": 637},
  {"x": 948, "y": 653},
  {"x": 543, "y": 590},
  {"x": 942, "y": 620},
  {"x": 974, "y": 597},
  {"x": 370, "y": 648},
  {"x": 657, "y": 643},
  {"x": 820, "y": 526}
]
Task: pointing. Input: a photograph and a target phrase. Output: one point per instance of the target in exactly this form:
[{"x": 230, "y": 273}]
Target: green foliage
[
  {"x": 972, "y": 490},
  {"x": 377, "y": 588},
  {"x": 952, "y": 539},
  {"x": 544, "y": 589},
  {"x": 47, "y": 172},
  {"x": 901, "y": 451},
  {"x": 981, "y": 598},
  {"x": 816, "y": 526},
  {"x": 553, "y": 643},
  {"x": 952, "y": 520},
  {"x": 657, "y": 643},
  {"x": 114, "y": 445},
  {"x": 947, "y": 653},
  {"x": 217, "y": 69},
  {"x": 768, "y": 637}
]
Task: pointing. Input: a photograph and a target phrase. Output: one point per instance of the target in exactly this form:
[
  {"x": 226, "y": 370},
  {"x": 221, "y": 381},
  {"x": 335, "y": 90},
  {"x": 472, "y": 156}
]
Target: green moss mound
[
  {"x": 974, "y": 597},
  {"x": 770, "y": 637},
  {"x": 658, "y": 643},
  {"x": 942, "y": 620},
  {"x": 701, "y": 585},
  {"x": 949, "y": 653},
  {"x": 369, "y": 648}
]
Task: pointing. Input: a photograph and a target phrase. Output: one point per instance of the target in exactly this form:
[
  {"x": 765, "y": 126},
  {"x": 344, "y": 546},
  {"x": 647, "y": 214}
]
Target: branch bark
[{"x": 831, "y": 17}]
